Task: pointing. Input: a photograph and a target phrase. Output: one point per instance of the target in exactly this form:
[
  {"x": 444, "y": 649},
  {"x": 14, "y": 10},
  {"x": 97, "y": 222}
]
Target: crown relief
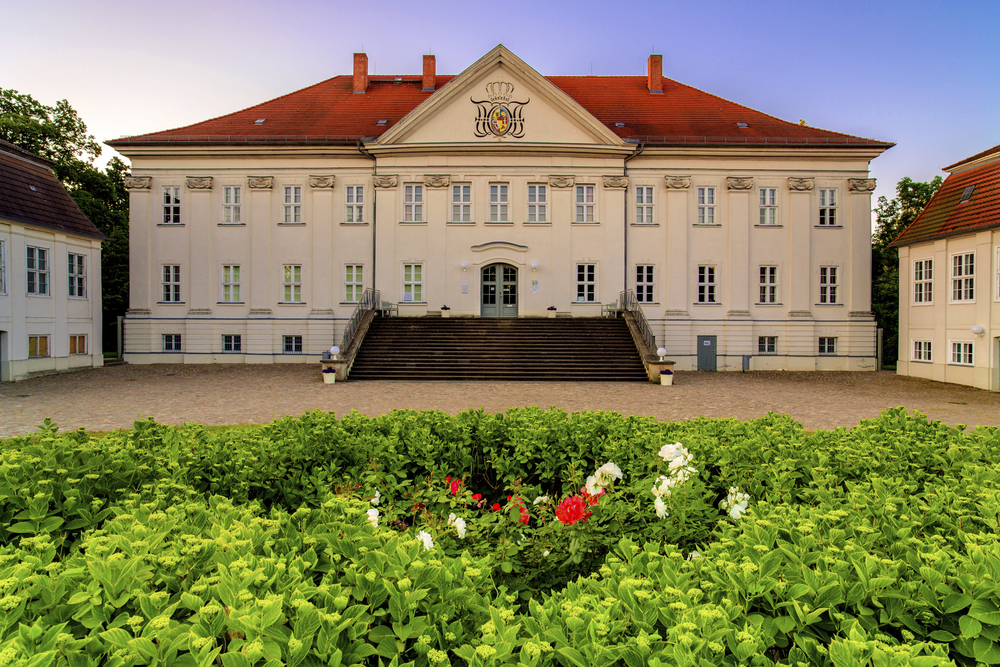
[{"x": 499, "y": 92}]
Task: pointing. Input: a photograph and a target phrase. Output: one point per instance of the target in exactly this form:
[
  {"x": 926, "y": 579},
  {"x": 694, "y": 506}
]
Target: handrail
[
  {"x": 369, "y": 301},
  {"x": 627, "y": 302}
]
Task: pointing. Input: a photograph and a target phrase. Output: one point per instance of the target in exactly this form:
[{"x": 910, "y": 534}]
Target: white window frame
[
  {"x": 171, "y": 283},
  {"x": 75, "y": 341},
  {"x": 354, "y": 282},
  {"x": 461, "y": 203},
  {"x": 77, "y": 275},
  {"x": 354, "y": 204},
  {"x": 499, "y": 202},
  {"x": 586, "y": 282},
  {"x": 292, "y": 205},
  {"x": 171, "y": 205},
  {"x": 923, "y": 281},
  {"x": 644, "y": 205},
  {"x": 767, "y": 277},
  {"x": 645, "y": 285},
  {"x": 537, "y": 203},
  {"x": 232, "y": 343},
  {"x": 829, "y": 285},
  {"x": 962, "y": 350},
  {"x": 707, "y": 284},
  {"x": 294, "y": 342},
  {"x": 963, "y": 277},
  {"x": 231, "y": 283},
  {"x": 767, "y": 345},
  {"x": 171, "y": 342},
  {"x": 39, "y": 338},
  {"x": 291, "y": 283},
  {"x": 921, "y": 350},
  {"x": 827, "y": 348},
  {"x": 38, "y": 271},
  {"x": 232, "y": 197},
  {"x": 413, "y": 282},
  {"x": 828, "y": 207},
  {"x": 996, "y": 296},
  {"x": 706, "y": 205},
  {"x": 768, "y": 199},
  {"x": 3, "y": 266},
  {"x": 585, "y": 204},
  {"x": 413, "y": 203}
]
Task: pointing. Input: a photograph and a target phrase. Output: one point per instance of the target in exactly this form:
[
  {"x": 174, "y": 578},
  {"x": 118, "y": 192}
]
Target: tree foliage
[{"x": 892, "y": 217}]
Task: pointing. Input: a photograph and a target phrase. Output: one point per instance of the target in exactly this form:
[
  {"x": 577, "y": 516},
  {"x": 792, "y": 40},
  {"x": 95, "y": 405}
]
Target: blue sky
[{"x": 925, "y": 75}]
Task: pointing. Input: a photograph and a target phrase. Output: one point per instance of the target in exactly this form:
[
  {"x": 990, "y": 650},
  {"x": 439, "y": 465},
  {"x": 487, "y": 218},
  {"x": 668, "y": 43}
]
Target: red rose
[
  {"x": 571, "y": 510},
  {"x": 454, "y": 486},
  {"x": 477, "y": 496},
  {"x": 496, "y": 507},
  {"x": 447, "y": 479}
]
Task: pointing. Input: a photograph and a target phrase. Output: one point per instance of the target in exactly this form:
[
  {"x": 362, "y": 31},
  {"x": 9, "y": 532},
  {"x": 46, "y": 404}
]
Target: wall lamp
[
  {"x": 465, "y": 265},
  {"x": 977, "y": 329},
  {"x": 534, "y": 266},
  {"x": 662, "y": 351}
]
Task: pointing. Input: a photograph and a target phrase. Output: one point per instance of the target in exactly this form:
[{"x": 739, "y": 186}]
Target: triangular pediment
[{"x": 499, "y": 99}]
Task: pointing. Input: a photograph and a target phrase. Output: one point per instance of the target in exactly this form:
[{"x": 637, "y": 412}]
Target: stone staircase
[{"x": 484, "y": 349}]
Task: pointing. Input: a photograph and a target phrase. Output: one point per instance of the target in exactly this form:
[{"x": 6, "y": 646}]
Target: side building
[
  {"x": 50, "y": 272},
  {"x": 500, "y": 192}
]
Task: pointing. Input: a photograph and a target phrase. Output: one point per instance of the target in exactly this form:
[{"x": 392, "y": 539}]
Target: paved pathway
[{"x": 110, "y": 398}]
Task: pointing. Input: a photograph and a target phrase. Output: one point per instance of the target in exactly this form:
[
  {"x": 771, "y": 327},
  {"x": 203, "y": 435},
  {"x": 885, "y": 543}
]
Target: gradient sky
[{"x": 925, "y": 75}]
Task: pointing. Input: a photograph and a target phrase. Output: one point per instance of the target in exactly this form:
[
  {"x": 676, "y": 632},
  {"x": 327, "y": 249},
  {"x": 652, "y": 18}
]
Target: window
[
  {"x": 498, "y": 203},
  {"x": 291, "y": 283},
  {"x": 413, "y": 203},
  {"x": 3, "y": 267},
  {"x": 967, "y": 194},
  {"x": 292, "y": 344},
  {"x": 923, "y": 281},
  {"x": 828, "y": 285},
  {"x": 584, "y": 204},
  {"x": 78, "y": 344},
  {"x": 767, "y": 344},
  {"x": 231, "y": 283},
  {"x": 413, "y": 282},
  {"x": 355, "y": 204},
  {"x": 171, "y": 283},
  {"x": 77, "y": 275},
  {"x": 963, "y": 281},
  {"x": 644, "y": 205},
  {"x": 768, "y": 284},
  {"x": 231, "y": 205},
  {"x": 996, "y": 298},
  {"x": 232, "y": 343},
  {"x": 828, "y": 346},
  {"x": 586, "y": 282},
  {"x": 38, "y": 270},
  {"x": 293, "y": 204},
  {"x": 706, "y": 284},
  {"x": 706, "y": 206},
  {"x": 354, "y": 277},
  {"x": 38, "y": 346},
  {"x": 827, "y": 207},
  {"x": 768, "y": 206},
  {"x": 536, "y": 203},
  {"x": 461, "y": 203},
  {"x": 961, "y": 353},
  {"x": 922, "y": 350},
  {"x": 171, "y": 205},
  {"x": 171, "y": 342},
  {"x": 644, "y": 283}
]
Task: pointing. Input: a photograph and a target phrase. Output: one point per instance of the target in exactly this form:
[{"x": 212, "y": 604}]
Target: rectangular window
[
  {"x": 3, "y": 267},
  {"x": 706, "y": 284},
  {"x": 38, "y": 346},
  {"x": 78, "y": 344},
  {"x": 355, "y": 204},
  {"x": 768, "y": 206},
  {"x": 171, "y": 205},
  {"x": 536, "y": 203},
  {"x": 827, "y": 207},
  {"x": 291, "y": 283},
  {"x": 461, "y": 203},
  {"x": 706, "y": 206},
  {"x": 354, "y": 278},
  {"x": 171, "y": 342},
  {"x": 231, "y": 195},
  {"x": 768, "y": 285},
  {"x": 293, "y": 204},
  {"x": 828, "y": 285},
  {"x": 828, "y": 346},
  {"x": 498, "y": 203},
  {"x": 961, "y": 353},
  {"x": 38, "y": 270},
  {"x": 584, "y": 204},
  {"x": 922, "y": 350},
  {"x": 232, "y": 343},
  {"x": 923, "y": 281},
  {"x": 413, "y": 203},
  {"x": 171, "y": 283},
  {"x": 586, "y": 282},
  {"x": 230, "y": 283},
  {"x": 644, "y": 205},
  {"x": 292, "y": 344},
  {"x": 413, "y": 282},
  {"x": 767, "y": 344},
  {"x": 644, "y": 283},
  {"x": 77, "y": 275},
  {"x": 963, "y": 280}
]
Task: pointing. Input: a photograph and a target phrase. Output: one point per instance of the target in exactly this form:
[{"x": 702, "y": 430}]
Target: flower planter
[
  {"x": 666, "y": 379},
  {"x": 444, "y": 313},
  {"x": 329, "y": 378},
  {"x": 552, "y": 314}
]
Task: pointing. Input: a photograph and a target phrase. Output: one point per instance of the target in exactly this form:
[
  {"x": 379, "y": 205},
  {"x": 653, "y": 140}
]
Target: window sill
[
  {"x": 291, "y": 224},
  {"x": 232, "y": 224},
  {"x": 644, "y": 224},
  {"x": 420, "y": 222},
  {"x": 501, "y": 224},
  {"x": 354, "y": 224},
  {"x": 585, "y": 303},
  {"x": 770, "y": 305},
  {"x": 648, "y": 303},
  {"x": 707, "y": 303},
  {"x": 230, "y": 303},
  {"x": 952, "y": 363},
  {"x": 829, "y": 226},
  {"x": 537, "y": 224},
  {"x": 170, "y": 224},
  {"x": 586, "y": 224},
  {"x": 922, "y": 361},
  {"x": 828, "y": 305},
  {"x": 349, "y": 303},
  {"x": 960, "y": 302},
  {"x": 170, "y": 303},
  {"x": 769, "y": 226},
  {"x": 291, "y": 303},
  {"x": 37, "y": 296},
  {"x": 78, "y": 298},
  {"x": 703, "y": 224},
  {"x": 412, "y": 303},
  {"x": 452, "y": 222},
  {"x": 916, "y": 304}
]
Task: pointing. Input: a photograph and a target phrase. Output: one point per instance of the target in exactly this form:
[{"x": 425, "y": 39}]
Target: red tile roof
[{"x": 329, "y": 112}]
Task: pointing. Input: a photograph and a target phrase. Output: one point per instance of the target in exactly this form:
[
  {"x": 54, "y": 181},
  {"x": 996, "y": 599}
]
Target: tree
[
  {"x": 892, "y": 217},
  {"x": 60, "y": 135}
]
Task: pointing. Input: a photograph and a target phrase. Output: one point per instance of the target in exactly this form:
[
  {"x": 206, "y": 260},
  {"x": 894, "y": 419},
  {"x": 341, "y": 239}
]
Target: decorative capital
[
  {"x": 801, "y": 184},
  {"x": 260, "y": 182},
  {"x": 322, "y": 181},
  {"x": 385, "y": 181},
  {"x": 677, "y": 183},
  {"x": 616, "y": 182},
  {"x": 199, "y": 182},
  {"x": 562, "y": 181},
  {"x": 861, "y": 185},
  {"x": 437, "y": 180},
  {"x": 138, "y": 182},
  {"x": 739, "y": 183}
]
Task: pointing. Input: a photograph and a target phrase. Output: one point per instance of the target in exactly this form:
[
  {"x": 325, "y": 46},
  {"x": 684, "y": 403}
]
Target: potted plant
[
  {"x": 552, "y": 311},
  {"x": 445, "y": 310},
  {"x": 666, "y": 376},
  {"x": 329, "y": 375}
]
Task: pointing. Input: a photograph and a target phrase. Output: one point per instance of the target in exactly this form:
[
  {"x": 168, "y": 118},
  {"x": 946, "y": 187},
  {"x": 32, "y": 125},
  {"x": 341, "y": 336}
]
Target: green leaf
[
  {"x": 118, "y": 637},
  {"x": 955, "y": 602},
  {"x": 941, "y": 636},
  {"x": 985, "y": 611},
  {"x": 986, "y": 651},
  {"x": 970, "y": 627},
  {"x": 785, "y": 624},
  {"x": 235, "y": 660},
  {"x": 573, "y": 656}
]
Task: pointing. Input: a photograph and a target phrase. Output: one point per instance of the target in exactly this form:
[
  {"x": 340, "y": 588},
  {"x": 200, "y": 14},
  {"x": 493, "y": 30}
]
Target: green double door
[{"x": 498, "y": 287}]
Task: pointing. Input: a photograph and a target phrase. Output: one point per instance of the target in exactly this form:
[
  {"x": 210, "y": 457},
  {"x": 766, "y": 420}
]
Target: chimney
[
  {"x": 429, "y": 75},
  {"x": 654, "y": 74},
  {"x": 360, "y": 72}
]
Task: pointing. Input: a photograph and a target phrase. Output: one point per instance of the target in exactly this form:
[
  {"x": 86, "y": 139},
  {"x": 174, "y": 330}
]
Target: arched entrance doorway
[{"x": 498, "y": 291}]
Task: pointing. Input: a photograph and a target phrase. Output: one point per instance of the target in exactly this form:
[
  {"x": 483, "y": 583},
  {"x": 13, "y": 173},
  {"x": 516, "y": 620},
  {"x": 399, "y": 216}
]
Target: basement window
[
  {"x": 259, "y": 121},
  {"x": 967, "y": 194}
]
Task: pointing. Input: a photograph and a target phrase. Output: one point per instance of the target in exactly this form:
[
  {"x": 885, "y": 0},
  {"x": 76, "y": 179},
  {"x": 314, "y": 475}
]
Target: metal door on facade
[
  {"x": 499, "y": 291},
  {"x": 706, "y": 353}
]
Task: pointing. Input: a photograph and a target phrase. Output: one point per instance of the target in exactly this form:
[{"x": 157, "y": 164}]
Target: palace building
[{"x": 500, "y": 192}]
